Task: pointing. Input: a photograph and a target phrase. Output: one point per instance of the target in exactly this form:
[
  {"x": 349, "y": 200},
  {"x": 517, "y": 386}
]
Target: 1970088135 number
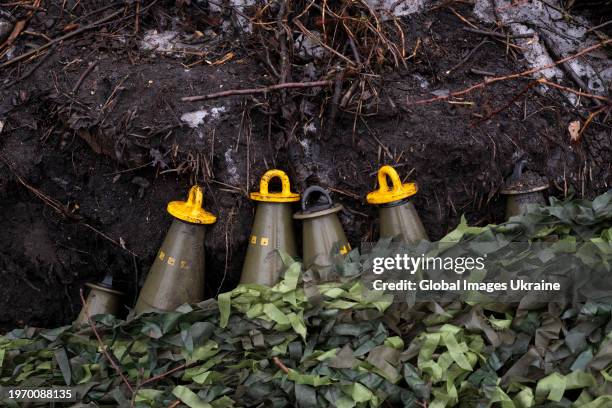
[{"x": 55, "y": 394}]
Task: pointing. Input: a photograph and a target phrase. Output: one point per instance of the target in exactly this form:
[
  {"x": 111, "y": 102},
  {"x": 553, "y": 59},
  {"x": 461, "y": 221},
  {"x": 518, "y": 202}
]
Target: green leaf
[
  {"x": 224, "y": 301},
  {"x": 203, "y": 352},
  {"x": 148, "y": 395},
  {"x": 524, "y": 399},
  {"x": 308, "y": 379},
  {"x": 298, "y": 324},
  {"x": 62, "y": 361},
  {"x": 455, "y": 351},
  {"x": 551, "y": 387},
  {"x": 275, "y": 314},
  {"x": 395, "y": 342},
  {"x": 290, "y": 279},
  {"x": 358, "y": 392},
  {"x": 189, "y": 397},
  {"x": 605, "y": 401}
]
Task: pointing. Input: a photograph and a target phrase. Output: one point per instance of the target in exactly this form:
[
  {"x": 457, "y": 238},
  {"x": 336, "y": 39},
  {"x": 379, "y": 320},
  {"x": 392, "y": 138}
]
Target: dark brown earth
[
  {"x": 110, "y": 156},
  {"x": 526, "y": 181}
]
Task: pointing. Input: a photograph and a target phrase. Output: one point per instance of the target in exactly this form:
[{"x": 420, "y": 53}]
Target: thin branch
[
  {"x": 31, "y": 70},
  {"x": 90, "y": 68},
  {"x": 280, "y": 365},
  {"x": 597, "y": 27},
  {"x": 552, "y": 49},
  {"x": 256, "y": 90},
  {"x": 167, "y": 373},
  {"x": 103, "y": 346},
  {"x": 59, "y": 207},
  {"x": 59, "y": 39},
  {"x": 489, "y": 81},
  {"x": 574, "y": 91},
  {"x": 588, "y": 121},
  {"x": 496, "y": 34},
  {"x": 507, "y": 105},
  {"x": 468, "y": 56}
]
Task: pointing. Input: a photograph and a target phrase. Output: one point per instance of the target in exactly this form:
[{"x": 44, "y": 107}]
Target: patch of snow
[
  {"x": 153, "y": 40},
  {"x": 196, "y": 118},
  {"x": 309, "y": 128},
  {"x": 240, "y": 7},
  {"x": 423, "y": 82},
  {"x": 306, "y": 145},
  {"x": 567, "y": 36},
  {"x": 10, "y": 53},
  {"x": 232, "y": 170},
  {"x": 483, "y": 9},
  {"x": 606, "y": 74},
  {"x": 216, "y": 111},
  {"x": 309, "y": 47},
  {"x": 398, "y": 8},
  {"x": 586, "y": 71},
  {"x": 238, "y": 4},
  {"x": 536, "y": 54}
]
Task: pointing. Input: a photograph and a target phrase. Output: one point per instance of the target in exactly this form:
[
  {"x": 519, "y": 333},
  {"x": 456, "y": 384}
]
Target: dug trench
[{"x": 96, "y": 140}]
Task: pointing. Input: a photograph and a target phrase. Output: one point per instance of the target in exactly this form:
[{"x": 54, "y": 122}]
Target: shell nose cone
[{"x": 191, "y": 210}]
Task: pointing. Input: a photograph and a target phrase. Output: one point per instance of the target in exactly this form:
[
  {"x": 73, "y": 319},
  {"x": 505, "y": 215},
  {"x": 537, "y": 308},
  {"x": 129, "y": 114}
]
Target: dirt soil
[{"x": 87, "y": 170}]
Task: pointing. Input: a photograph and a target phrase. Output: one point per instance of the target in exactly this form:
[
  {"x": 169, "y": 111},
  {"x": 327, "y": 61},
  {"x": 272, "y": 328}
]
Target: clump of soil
[
  {"x": 96, "y": 141},
  {"x": 526, "y": 181}
]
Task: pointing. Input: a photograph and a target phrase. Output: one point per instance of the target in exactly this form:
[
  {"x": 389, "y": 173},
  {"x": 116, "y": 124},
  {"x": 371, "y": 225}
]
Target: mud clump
[{"x": 528, "y": 180}]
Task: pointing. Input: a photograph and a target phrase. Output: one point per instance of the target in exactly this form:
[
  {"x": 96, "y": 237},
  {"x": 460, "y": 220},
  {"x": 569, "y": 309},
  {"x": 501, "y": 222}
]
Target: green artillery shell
[
  {"x": 399, "y": 220},
  {"x": 517, "y": 202},
  {"x": 272, "y": 232},
  {"x": 101, "y": 300},
  {"x": 323, "y": 235},
  {"x": 177, "y": 275}
]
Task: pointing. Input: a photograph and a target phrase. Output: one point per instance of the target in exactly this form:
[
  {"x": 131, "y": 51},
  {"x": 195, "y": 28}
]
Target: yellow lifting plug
[{"x": 283, "y": 196}]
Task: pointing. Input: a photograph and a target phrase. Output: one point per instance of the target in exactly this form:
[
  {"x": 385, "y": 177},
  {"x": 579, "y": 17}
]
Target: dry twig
[
  {"x": 256, "y": 90},
  {"x": 489, "y": 81},
  {"x": 71, "y": 34},
  {"x": 111, "y": 359},
  {"x": 280, "y": 365}
]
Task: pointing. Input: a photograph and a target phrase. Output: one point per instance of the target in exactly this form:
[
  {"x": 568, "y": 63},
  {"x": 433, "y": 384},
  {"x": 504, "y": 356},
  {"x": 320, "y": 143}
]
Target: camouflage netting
[{"x": 336, "y": 344}]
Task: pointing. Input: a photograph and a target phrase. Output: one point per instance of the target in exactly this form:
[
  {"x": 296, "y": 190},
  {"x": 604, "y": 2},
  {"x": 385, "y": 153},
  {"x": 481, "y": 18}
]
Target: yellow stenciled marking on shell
[
  {"x": 388, "y": 194},
  {"x": 284, "y": 196},
  {"x": 191, "y": 210}
]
